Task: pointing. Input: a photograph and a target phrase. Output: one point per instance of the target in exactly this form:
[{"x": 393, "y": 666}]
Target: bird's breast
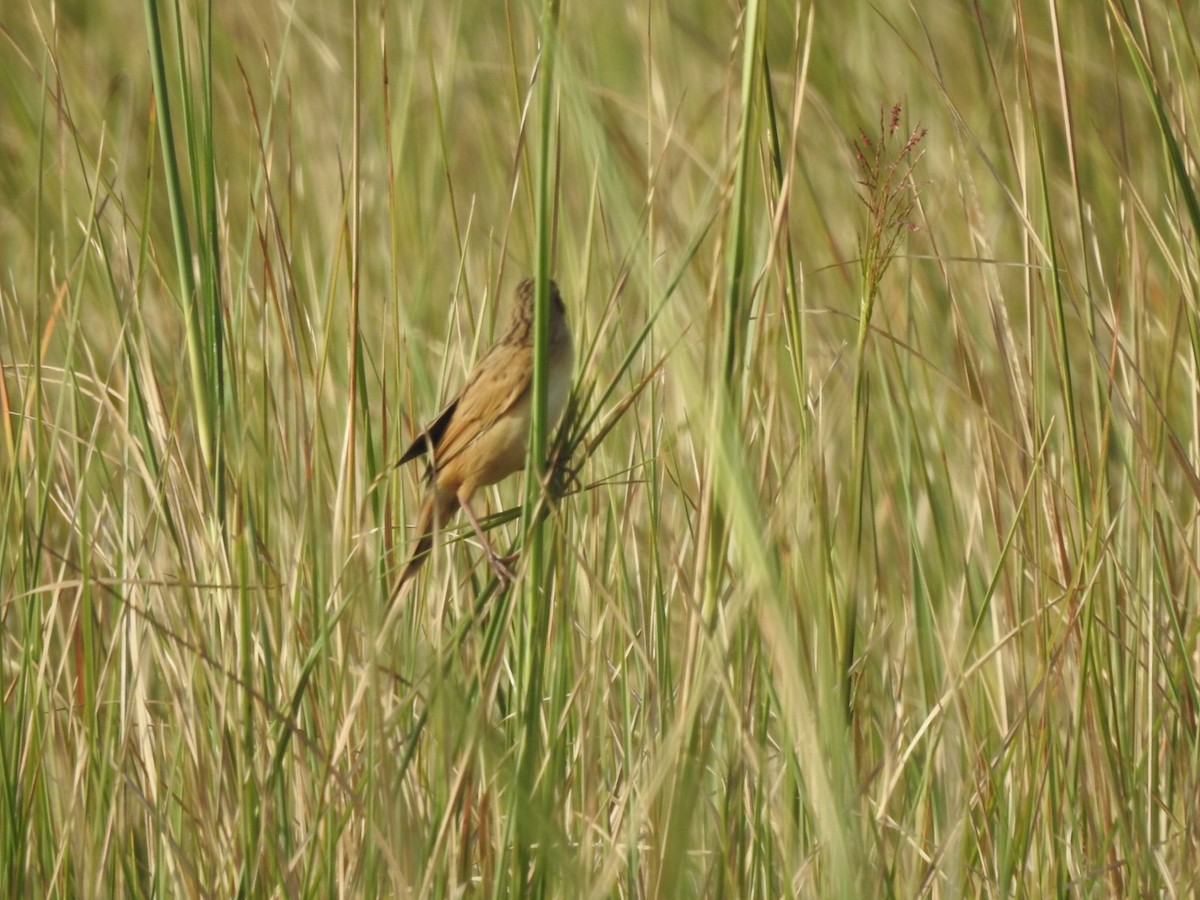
[{"x": 558, "y": 384}]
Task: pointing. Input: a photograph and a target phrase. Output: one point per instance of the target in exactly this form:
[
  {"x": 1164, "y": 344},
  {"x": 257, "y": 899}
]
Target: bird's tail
[{"x": 436, "y": 510}]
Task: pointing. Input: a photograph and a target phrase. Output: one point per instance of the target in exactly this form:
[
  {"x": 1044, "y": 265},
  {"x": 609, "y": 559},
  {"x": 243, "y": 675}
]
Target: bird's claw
[{"x": 500, "y": 567}]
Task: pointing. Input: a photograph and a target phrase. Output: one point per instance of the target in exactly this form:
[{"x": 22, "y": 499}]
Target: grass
[{"x": 877, "y": 576}]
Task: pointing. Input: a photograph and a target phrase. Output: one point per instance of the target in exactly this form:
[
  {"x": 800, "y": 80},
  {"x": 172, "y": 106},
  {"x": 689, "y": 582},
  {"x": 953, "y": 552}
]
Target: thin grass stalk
[
  {"x": 538, "y": 583},
  {"x": 889, "y": 194},
  {"x": 1177, "y": 161},
  {"x": 211, "y": 260},
  {"x": 793, "y": 313},
  {"x": 1063, "y": 359},
  {"x": 198, "y": 366},
  {"x": 1150, "y": 825},
  {"x": 27, "y": 835},
  {"x": 727, "y": 406},
  {"x": 721, "y": 477}
]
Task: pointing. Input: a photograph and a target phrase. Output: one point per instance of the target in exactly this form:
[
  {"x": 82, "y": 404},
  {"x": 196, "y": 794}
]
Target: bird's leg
[{"x": 503, "y": 572}]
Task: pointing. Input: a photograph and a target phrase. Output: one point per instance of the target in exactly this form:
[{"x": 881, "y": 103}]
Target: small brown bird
[{"x": 482, "y": 435}]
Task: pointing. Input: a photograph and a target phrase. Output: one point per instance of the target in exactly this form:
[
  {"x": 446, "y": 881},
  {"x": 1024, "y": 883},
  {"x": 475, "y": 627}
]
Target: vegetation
[{"x": 868, "y": 564}]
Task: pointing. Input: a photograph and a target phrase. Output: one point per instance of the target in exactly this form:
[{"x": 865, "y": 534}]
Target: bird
[{"x": 482, "y": 435}]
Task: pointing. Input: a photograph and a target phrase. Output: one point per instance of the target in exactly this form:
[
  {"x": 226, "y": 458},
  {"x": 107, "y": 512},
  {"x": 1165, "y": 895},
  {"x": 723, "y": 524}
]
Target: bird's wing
[
  {"x": 431, "y": 436},
  {"x": 494, "y": 388}
]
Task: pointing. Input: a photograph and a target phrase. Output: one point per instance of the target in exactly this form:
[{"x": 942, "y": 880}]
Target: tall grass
[{"x": 864, "y": 562}]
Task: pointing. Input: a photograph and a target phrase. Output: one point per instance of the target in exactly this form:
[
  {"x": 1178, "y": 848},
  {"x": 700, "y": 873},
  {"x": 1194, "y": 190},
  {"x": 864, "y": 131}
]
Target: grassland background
[{"x": 901, "y": 610}]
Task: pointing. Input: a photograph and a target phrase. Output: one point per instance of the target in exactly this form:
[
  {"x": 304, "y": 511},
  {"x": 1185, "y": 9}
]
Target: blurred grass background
[{"x": 880, "y": 578}]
